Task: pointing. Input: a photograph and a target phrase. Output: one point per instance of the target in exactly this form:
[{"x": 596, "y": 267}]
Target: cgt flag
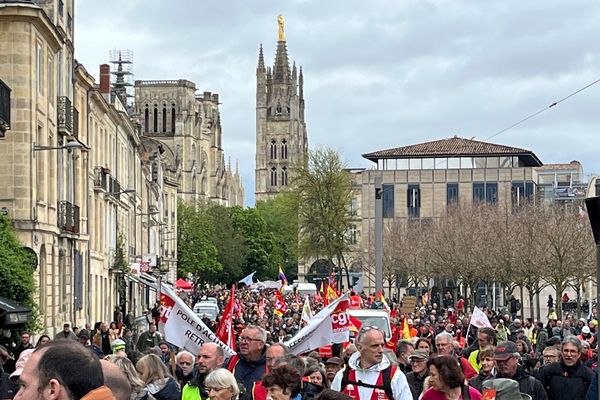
[
  {"x": 328, "y": 326},
  {"x": 182, "y": 327},
  {"x": 280, "y": 306}
]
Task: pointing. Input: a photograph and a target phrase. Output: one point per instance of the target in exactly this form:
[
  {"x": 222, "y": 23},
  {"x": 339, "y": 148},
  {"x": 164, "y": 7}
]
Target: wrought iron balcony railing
[
  {"x": 64, "y": 115},
  {"x": 68, "y": 216}
]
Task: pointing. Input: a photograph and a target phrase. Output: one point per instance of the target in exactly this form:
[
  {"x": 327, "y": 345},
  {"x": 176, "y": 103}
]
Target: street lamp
[{"x": 72, "y": 145}]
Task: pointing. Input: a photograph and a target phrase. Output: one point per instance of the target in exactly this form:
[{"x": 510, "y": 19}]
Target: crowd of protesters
[{"x": 435, "y": 353}]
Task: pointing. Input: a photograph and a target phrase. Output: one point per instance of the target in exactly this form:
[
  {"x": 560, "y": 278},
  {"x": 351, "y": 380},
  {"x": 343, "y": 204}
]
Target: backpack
[{"x": 386, "y": 381}]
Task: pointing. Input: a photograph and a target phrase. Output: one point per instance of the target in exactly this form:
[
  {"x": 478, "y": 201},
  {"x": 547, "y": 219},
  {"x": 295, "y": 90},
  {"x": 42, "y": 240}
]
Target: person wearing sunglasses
[
  {"x": 369, "y": 373},
  {"x": 249, "y": 365}
]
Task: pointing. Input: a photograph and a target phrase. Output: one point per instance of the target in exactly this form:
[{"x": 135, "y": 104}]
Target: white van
[
  {"x": 208, "y": 308},
  {"x": 378, "y": 318},
  {"x": 306, "y": 288}
]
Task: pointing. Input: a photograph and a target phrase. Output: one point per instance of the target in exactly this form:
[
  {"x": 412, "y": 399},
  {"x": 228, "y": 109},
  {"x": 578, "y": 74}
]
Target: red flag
[
  {"x": 280, "y": 306},
  {"x": 393, "y": 342},
  {"x": 225, "y": 330},
  {"x": 261, "y": 308},
  {"x": 355, "y": 324}
]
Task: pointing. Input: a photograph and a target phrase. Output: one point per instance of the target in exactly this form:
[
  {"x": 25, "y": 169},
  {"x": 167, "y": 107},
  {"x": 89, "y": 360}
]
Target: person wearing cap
[
  {"x": 586, "y": 335},
  {"x": 118, "y": 348},
  {"x": 416, "y": 377},
  {"x": 503, "y": 389},
  {"x": 507, "y": 358},
  {"x": 569, "y": 378},
  {"x": 332, "y": 366}
]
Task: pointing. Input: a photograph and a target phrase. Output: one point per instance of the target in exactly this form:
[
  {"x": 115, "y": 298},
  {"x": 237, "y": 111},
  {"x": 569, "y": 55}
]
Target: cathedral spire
[
  {"x": 281, "y": 69},
  {"x": 301, "y": 84},
  {"x": 261, "y": 59}
]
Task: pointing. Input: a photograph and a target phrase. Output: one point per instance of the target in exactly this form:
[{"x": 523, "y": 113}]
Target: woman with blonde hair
[
  {"x": 221, "y": 385},
  {"x": 157, "y": 379},
  {"x": 138, "y": 388}
]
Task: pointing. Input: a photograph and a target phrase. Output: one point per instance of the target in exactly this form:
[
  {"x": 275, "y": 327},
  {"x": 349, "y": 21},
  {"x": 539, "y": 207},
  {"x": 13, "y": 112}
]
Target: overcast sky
[{"x": 378, "y": 74}]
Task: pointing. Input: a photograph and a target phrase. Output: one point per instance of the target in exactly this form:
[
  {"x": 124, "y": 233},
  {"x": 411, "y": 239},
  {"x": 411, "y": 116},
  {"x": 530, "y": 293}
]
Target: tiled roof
[{"x": 454, "y": 146}]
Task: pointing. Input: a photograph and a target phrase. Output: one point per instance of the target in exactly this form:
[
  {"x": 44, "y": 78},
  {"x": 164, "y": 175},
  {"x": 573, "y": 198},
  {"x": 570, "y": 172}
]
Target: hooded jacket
[
  {"x": 400, "y": 387},
  {"x": 564, "y": 382},
  {"x": 164, "y": 389},
  {"x": 528, "y": 384}
]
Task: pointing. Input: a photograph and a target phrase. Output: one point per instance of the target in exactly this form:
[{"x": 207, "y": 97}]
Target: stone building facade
[
  {"x": 281, "y": 138},
  {"x": 188, "y": 124},
  {"x": 75, "y": 173}
]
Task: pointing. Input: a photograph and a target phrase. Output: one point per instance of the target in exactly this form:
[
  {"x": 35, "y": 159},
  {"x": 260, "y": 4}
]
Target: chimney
[{"x": 105, "y": 78}]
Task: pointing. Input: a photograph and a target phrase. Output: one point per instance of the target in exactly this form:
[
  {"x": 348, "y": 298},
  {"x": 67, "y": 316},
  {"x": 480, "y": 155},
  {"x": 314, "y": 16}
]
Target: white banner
[
  {"x": 182, "y": 327},
  {"x": 266, "y": 285},
  {"x": 479, "y": 319},
  {"x": 248, "y": 279},
  {"x": 306, "y": 311},
  {"x": 329, "y": 326}
]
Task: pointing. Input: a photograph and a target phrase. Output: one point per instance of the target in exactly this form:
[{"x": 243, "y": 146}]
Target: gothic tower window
[
  {"x": 284, "y": 149},
  {"x": 273, "y": 176},
  {"x": 278, "y": 110},
  {"x": 155, "y": 119},
  {"x": 284, "y": 176},
  {"x": 273, "y": 149},
  {"x": 164, "y": 118},
  {"x": 146, "y": 119},
  {"x": 173, "y": 118}
]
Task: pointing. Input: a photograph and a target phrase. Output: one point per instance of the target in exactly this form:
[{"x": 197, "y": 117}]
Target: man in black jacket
[
  {"x": 507, "y": 358},
  {"x": 415, "y": 378},
  {"x": 568, "y": 378}
]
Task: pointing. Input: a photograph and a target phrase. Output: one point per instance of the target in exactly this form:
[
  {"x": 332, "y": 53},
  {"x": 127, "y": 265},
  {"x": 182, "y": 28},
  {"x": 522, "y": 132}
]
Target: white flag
[
  {"x": 329, "y": 326},
  {"x": 248, "y": 280},
  {"x": 306, "y": 311},
  {"x": 182, "y": 327},
  {"x": 479, "y": 319}
]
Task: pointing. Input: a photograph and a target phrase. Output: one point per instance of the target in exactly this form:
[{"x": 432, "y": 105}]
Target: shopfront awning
[{"x": 12, "y": 313}]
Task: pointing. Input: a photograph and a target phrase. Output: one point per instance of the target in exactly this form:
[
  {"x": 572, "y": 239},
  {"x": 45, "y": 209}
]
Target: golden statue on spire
[{"x": 280, "y": 32}]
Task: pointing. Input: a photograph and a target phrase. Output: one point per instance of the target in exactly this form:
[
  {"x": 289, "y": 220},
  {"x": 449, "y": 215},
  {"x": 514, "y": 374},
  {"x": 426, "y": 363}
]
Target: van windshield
[{"x": 380, "y": 322}]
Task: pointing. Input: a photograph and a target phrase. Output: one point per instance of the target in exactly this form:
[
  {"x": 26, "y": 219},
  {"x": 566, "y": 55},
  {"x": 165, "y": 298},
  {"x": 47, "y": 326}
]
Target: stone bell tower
[{"x": 281, "y": 139}]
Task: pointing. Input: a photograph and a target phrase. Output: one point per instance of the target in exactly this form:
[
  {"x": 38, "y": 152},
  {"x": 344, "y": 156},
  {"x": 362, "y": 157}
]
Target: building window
[
  {"x": 164, "y": 119},
  {"x": 284, "y": 176},
  {"x": 388, "y": 201},
  {"x": 155, "y": 119},
  {"x": 414, "y": 201},
  {"x": 173, "y": 119},
  {"x": 352, "y": 234},
  {"x": 273, "y": 149},
  {"x": 284, "y": 149},
  {"x": 451, "y": 193},
  {"x": 479, "y": 192},
  {"x": 354, "y": 206},
  {"x": 146, "y": 119},
  {"x": 273, "y": 176},
  {"x": 485, "y": 192},
  {"x": 521, "y": 192},
  {"x": 50, "y": 74},
  {"x": 38, "y": 68}
]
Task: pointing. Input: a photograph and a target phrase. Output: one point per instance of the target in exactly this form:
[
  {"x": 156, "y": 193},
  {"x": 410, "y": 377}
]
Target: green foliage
[
  {"x": 197, "y": 253},
  {"x": 259, "y": 243},
  {"x": 281, "y": 216},
  {"x": 229, "y": 243},
  {"x": 323, "y": 194},
  {"x": 16, "y": 270}
]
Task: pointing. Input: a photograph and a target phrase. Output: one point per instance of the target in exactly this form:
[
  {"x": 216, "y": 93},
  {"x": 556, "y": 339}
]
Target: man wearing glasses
[
  {"x": 249, "y": 365},
  {"x": 370, "y": 375}
]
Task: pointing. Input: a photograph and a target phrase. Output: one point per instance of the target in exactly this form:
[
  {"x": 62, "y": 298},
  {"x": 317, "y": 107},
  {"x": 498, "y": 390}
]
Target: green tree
[
  {"x": 281, "y": 218},
  {"x": 197, "y": 253},
  {"x": 259, "y": 243},
  {"x": 16, "y": 273},
  {"x": 229, "y": 243},
  {"x": 323, "y": 193}
]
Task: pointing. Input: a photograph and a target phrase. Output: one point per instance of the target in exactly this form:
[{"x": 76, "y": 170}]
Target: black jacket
[
  {"x": 563, "y": 382},
  {"x": 528, "y": 384},
  {"x": 477, "y": 381},
  {"x": 415, "y": 382}
]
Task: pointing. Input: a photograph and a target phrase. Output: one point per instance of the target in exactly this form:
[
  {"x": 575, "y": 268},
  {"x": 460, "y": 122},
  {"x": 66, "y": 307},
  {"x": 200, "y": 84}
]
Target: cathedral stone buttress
[{"x": 281, "y": 139}]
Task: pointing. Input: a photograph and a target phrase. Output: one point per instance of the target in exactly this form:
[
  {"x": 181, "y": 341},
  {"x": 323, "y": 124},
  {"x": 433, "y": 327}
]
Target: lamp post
[
  {"x": 72, "y": 145},
  {"x": 593, "y": 210}
]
